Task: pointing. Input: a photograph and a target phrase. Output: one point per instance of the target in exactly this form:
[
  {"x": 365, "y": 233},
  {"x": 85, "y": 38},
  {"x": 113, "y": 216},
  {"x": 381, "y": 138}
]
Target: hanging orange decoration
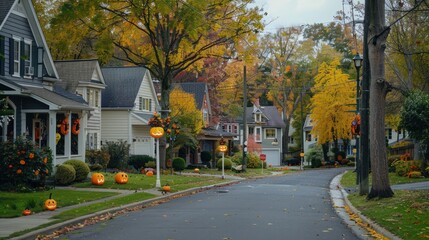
[
  {"x": 65, "y": 126},
  {"x": 76, "y": 126}
]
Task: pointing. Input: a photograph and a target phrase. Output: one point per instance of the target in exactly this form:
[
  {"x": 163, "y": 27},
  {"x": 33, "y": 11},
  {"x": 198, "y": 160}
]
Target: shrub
[
  {"x": 178, "y": 164},
  {"x": 414, "y": 174},
  {"x": 150, "y": 164},
  {"x": 101, "y": 157},
  {"x": 81, "y": 168},
  {"x": 253, "y": 161},
  {"x": 119, "y": 153},
  {"x": 95, "y": 167},
  {"x": 401, "y": 167},
  {"x": 315, "y": 156},
  {"x": 227, "y": 164},
  {"x": 206, "y": 156},
  {"x": 237, "y": 158},
  {"x": 139, "y": 161},
  {"x": 24, "y": 165},
  {"x": 65, "y": 174}
]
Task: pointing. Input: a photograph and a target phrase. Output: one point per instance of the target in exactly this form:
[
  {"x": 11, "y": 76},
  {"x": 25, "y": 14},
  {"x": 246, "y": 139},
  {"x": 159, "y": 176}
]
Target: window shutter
[
  {"x": 11, "y": 47},
  {"x": 39, "y": 63},
  {"x": 34, "y": 62},
  {"x": 21, "y": 60},
  {"x": 2, "y": 56}
]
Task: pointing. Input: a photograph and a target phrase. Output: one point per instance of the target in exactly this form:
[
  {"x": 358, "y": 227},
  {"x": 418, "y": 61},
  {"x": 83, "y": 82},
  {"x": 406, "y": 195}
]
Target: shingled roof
[
  {"x": 198, "y": 89},
  {"x": 271, "y": 112},
  {"x": 74, "y": 71},
  {"x": 5, "y": 8},
  {"x": 123, "y": 84}
]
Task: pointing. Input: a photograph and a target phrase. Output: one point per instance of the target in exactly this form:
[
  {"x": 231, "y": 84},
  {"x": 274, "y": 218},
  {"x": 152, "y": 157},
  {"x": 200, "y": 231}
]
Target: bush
[
  {"x": 139, "y": 161},
  {"x": 100, "y": 157},
  {"x": 150, "y": 164},
  {"x": 95, "y": 167},
  {"x": 178, "y": 164},
  {"x": 82, "y": 169},
  {"x": 206, "y": 157},
  {"x": 315, "y": 156},
  {"x": 119, "y": 153},
  {"x": 237, "y": 158},
  {"x": 414, "y": 174},
  {"x": 253, "y": 161},
  {"x": 227, "y": 164},
  {"x": 24, "y": 165},
  {"x": 65, "y": 174}
]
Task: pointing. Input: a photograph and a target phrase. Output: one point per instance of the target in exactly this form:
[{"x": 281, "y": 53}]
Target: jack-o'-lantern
[
  {"x": 121, "y": 178},
  {"x": 149, "y": 173},
  {"x": 26, "y": 212},
  {"x": 156, "y": 132},
  {"x": 97, "y": 179},
  {"x": 50, "y": 204}
]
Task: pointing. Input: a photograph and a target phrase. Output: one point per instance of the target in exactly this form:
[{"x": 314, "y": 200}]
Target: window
[
  {"x": 145, "y": 104},
  {"x": 258, "y": 134},
  {"x": 96, "y": 98},
  {"x": 258, "y": 117},
  {"x": 270, "y": 133},
  {"x": 291, "y": 140},
  {"x": 27, "y": 56},
  {"x": 16, "y": 56},
  {"x": 389, "y": 133}
]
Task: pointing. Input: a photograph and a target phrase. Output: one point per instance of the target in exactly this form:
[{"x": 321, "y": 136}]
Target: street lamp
[
  {"x": 357, "y": 59},
  {"x": 223, "y": 148},
  {"x": 157, "y": 131},
  {"x": 301, "y": 154}
]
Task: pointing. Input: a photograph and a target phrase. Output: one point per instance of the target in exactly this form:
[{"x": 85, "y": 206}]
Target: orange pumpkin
[
  {"x": 121, "y": 178},
  {"x": 26, "y": 212},
  {"x": 97, "y": 179},
  {"x": 196, "y": 170},
  {"x": 50, "y": 204},
  {"x": 156, "y": 132},
  {"x": 166, "y": 188},
  {"x": 149, "y": 173}
]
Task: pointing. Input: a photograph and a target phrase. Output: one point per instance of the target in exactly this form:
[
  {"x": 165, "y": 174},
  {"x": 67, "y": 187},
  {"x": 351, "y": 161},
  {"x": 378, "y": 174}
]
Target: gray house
[{"x": 38, "y": 110}]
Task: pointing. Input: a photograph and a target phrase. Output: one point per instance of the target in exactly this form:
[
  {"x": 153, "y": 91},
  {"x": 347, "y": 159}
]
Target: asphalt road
[{"x": 292, "y": 206}]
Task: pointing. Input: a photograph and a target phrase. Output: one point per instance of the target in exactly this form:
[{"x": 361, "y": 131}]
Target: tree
[
  {"x": 184, "y": 110},
  {"x": 379, "y": 87},
  {"x": 415, "y": 119},
  {"x": 166, "y": 37},
  {"x": 332, "y": 104}
]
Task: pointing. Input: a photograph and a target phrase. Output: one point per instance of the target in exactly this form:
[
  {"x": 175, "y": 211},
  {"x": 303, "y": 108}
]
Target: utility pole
[
  {"x": 244, "y": 162},
  {"x": 364, "y": 127}
]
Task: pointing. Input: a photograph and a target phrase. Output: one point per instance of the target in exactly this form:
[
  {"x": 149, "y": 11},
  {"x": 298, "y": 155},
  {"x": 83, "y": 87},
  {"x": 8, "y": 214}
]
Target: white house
[{"x": 128, "y": 102}]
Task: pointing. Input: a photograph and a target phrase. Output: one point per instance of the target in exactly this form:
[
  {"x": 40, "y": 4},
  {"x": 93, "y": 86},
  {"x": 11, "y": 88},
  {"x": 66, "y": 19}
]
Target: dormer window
[{"x": 258, "y": 117}]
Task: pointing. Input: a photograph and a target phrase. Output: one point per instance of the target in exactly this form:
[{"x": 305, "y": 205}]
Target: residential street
[{"x": 293, "y": 206}]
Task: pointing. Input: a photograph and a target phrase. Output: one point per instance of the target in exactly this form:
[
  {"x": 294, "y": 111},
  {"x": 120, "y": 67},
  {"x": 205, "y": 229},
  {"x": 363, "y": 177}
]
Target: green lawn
[
  {"x": 14, "y": 203},
  {"x": 406, "y": 214}
]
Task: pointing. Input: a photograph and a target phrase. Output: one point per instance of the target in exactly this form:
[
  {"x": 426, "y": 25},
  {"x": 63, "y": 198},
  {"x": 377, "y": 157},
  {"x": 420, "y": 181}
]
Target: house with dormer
[
  {"x": 38, "y": 108},
  {"x": 84, "y": 78},
  {"x": 128, "y": 102}
]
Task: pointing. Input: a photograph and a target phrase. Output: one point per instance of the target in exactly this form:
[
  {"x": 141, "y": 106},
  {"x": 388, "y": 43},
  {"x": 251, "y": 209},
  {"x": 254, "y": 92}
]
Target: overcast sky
[{"x": 286, "y": 13}]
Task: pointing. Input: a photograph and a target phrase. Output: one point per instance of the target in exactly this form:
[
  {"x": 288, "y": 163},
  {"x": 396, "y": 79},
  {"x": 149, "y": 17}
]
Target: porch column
[{"x": 52, "y": 131}]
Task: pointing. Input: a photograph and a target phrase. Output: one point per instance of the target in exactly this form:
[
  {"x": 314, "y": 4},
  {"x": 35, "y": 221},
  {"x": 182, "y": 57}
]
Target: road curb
[
  {"x": 337, "y": 191},
  {"x": 50, "y": 229}
]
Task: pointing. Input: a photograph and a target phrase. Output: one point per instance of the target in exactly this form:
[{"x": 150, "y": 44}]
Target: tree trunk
[{"x": 378, "y": 89}]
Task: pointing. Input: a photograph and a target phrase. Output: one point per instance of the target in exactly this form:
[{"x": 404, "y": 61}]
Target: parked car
[{"x": 292, "y": 162}]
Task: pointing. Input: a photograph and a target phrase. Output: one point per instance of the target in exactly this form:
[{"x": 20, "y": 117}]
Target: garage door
[{"x": 273, "y": 156}]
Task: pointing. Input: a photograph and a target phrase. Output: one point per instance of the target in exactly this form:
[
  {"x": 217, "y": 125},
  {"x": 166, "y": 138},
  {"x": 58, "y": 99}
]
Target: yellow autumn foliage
[
  {"x": 332, "y": 103},
  {"x": 184, "y": 108}
]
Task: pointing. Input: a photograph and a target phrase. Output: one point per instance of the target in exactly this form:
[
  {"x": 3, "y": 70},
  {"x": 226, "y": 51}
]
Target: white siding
[
  {"x": 114, "y": 125},
  {"x": 145, "y": 91}
]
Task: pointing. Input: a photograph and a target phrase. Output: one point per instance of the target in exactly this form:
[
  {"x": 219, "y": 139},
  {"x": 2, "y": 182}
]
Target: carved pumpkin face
[
  {"x": 121, "y": 178},
  {"x": 149, "y": 173},
  {"x": 97, "y": 179},
  {"x": 156, "y": 132},
  {"x": 50, "y": 204}
]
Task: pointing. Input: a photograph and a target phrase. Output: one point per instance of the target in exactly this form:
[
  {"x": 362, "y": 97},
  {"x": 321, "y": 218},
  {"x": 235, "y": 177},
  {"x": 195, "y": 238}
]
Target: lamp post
[
  {"x": 156, "y": 131},
  {"x": 357, "y": 59},
  {"x": 301, "y": 154},
  {"x": 223, "y": 148}
]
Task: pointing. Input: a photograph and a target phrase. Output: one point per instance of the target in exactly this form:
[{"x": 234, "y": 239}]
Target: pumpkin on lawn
[
  {"x": 121, "y": 178},
  {"x": 26, "y": 212},
  {"x": 149, "y": 173},
  {"x": 166, "y": 188},
  {"x": 97, "y": 179},
  {"x": 50, "y": 204}
]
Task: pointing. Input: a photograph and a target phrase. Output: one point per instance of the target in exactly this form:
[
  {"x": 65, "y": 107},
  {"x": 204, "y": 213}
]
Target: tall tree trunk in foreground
[{"x": 379, "y": 87}]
